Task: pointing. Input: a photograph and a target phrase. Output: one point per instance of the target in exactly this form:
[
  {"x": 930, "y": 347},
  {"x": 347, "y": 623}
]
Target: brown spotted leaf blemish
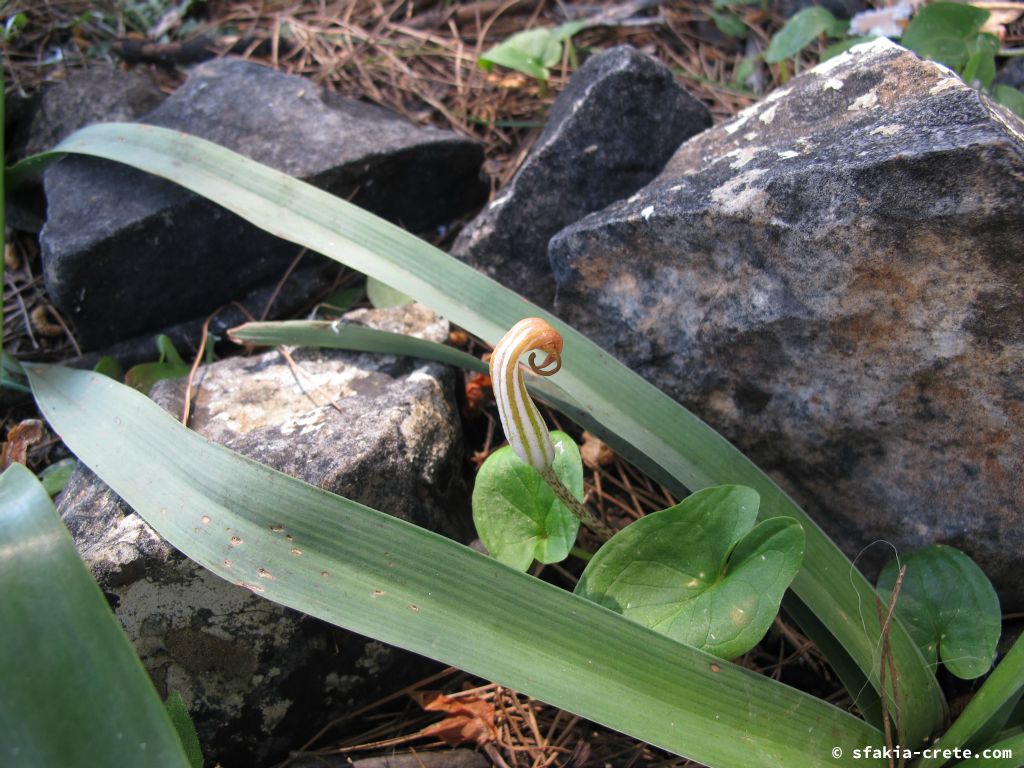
[
  {"x": 414, "y": 608},
  {"x": 235, "y": 541},
  {"x": 296, "y": 551},
  {"x": 378, "y": 593},
  {"x": 253, "y": 587},
  {"x": 265, "y": 574}
]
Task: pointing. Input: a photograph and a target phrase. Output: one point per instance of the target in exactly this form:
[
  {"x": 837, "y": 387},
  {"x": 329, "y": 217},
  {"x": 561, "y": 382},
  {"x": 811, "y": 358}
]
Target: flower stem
[{"x": 588, "y": 518}]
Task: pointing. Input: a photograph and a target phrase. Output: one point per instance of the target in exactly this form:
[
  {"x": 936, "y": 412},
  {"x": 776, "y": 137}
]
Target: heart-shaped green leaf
[
  {"x": 170, "y": 366},
  {"x": 383, "y": 296},
  {"x": 949, "y": 608},
  {"x": 700, "y": 572},
  {"x": 941, "y": 31},
  {"x": 517, "y": 516}
]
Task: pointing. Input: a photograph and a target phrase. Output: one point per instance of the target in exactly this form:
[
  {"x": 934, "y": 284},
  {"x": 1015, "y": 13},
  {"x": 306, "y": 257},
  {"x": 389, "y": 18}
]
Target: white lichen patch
[
  {"x": 647, "y": 212},
  {"x": 832, "y": 84},
  {"x": 498, "y": 202},
  {"x": 947, "y": 82},
  {"x": 738, "y": 194},
  {"x": 788, "y": 154},
  {"x": 274, "y": 714},
  {"x": 742, "y": 155},
  {"x": 768, "y": 115},
  {"x": 750, "y": 135},
  {"x": 887, "y": 130},
  {"x": 741, "y": 119},
  {"x": 868, "y": 101},
  {"x": 776, "y": 95}
]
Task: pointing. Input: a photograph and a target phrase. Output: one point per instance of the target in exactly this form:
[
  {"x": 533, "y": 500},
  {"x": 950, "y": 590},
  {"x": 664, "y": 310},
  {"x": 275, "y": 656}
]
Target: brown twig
[{"x": 888, "y": 665}]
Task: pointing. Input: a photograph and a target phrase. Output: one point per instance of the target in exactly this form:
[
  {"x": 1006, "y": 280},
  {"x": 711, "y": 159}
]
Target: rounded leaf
[
  {"x": 517, "y": 516},
  {"x": 700, "y": 572},
  {"x": 949, "y": 608}
]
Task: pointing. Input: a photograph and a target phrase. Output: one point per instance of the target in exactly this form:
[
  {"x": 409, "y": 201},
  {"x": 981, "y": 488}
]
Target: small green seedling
[
  {"x": 55, "y": 477},
  {"x": 532, "y": 52},
  {"x": 383, "y": 296},
  {"x": 109, "y": 367},
  {"x": 946, "y": 32},
  {"x": 949, "y": 608},
  {"x": 169, "y": 366},
  {"x": 517, "y": 515},
  {"x": 801, "y": 30}
]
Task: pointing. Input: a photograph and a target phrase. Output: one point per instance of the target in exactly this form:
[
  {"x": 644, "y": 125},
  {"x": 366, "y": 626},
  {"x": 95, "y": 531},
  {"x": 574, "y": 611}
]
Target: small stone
[
  {"x": 126, "y": 253},
  {"x": 842, "y": 296},
  {"x": 609, "y": 133}
]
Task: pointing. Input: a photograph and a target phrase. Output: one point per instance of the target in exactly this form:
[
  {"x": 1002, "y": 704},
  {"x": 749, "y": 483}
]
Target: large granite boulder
[
  {"x": 609, "y": 133},
  {"x": 126, "y": 253},
  {"x": 258, "y": 678},
  {"x": 834, "y": 280}
]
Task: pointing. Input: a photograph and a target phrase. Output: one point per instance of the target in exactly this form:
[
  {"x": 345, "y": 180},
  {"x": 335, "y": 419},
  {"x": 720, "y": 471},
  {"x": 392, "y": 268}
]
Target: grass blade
[
  {"x": 74, "y": 692},
  {"x": 383, "y": 577},
  {"x": 687, "y": 453},
  {"x": 356, "y": 338}
]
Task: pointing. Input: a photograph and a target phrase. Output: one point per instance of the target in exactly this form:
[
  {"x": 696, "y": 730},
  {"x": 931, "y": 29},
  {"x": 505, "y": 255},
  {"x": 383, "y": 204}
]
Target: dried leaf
[
  {"x": 595, "y": 452},
  {"x": 999, "y": 20},
  {"x": 470, "y": 719},
  {"x": 478, "y": 393},
  {"x": 20, "y": 438},
  {"x": 43, "y": 325},
  {"x": 458, "y": 339}
]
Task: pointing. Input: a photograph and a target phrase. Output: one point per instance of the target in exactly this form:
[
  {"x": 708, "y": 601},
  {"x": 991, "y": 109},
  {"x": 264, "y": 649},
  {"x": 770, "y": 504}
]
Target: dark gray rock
[
  {"x": 126, "y": 253},
  {"x": 312, "y": 278},
  {"x": 98, "y": 94},
  {"x": 1011, "y": 73},
  {"x": 834, "y": 281},
  {"x": 610, "y": 132},
  {"x": 259, "y": 678}
]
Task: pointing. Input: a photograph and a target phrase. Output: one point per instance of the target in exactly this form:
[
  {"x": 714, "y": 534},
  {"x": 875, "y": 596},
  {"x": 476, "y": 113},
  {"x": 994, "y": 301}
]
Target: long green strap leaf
[
  {"x": 689, "y": 453},
  {"x": 357, "y": 338},
  {"x": 374, "y": 574},
  {"x": 73, "y": 694}
]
